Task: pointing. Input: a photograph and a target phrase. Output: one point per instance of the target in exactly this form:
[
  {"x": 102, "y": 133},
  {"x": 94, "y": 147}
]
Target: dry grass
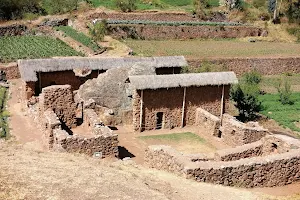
[{"x": 213, "y": 49}]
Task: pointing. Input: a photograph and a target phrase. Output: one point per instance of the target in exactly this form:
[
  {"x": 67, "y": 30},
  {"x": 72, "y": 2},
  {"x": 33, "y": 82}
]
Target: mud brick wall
[
  {"x": 13, "y": 30},
  {"x": 268, "y": 171},
  {"x": 29, "y": 89},
  {"x": 50, "y": 122},
  {"x": 90, "y": 118},
  {"x": 152, "y": 32},
  {"x": 266, "y": 66},
  {"x": 208, "y": 121},
  {"x": 170, "y": 101},
  {"x": 236, "y": 133},
  {"x": 11, "y": 70},
  {"x": 106, "y": 144},
  {"x": 59, "y": 98}
]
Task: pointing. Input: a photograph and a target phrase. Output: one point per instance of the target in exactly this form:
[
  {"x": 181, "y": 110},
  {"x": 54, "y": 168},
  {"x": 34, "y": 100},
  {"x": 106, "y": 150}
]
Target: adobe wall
[
  {"x": 59, "y": 98},
  {"x": 11, "y": 70},
  {"x": 267, "y": 171},
  {"x": 170, "y": 101},
  {"x": 236, "y": 133},
  {"x": 207, "y": 120},
  {"x": 266, "y": 66},
  {"x": 154, "y": 32}
]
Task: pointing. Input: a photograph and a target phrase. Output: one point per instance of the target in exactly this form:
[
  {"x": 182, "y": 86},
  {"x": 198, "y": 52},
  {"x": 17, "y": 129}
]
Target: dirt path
[{"x": 21, "y": 126}]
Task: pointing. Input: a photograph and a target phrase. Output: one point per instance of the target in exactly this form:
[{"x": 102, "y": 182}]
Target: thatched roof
[
  {"x": 28, "y": 68},
  {"x": 182, "y": 80}
]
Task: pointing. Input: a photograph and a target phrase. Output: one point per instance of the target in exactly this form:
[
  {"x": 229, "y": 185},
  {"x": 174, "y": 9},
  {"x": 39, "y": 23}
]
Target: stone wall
[
  {"x": 268, "y": 171},
  {"x": 154, "y": 32},
  {"x": 59, "y": 98},
  {"x": 170, "y": 101},
  {"x": 11, "y": 70},
  {"x": 236, "y": 133},
  {"x": 13, "y": 30},
  {"x": 266, "y": 66},
  {"x": 208, "y": 121}
]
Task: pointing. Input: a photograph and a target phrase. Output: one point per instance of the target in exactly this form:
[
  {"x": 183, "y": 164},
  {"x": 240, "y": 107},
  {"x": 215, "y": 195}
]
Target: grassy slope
[
  {"x": 28, "y": 47},
  {"x": 285, "y": 115},
  {"x": 212, "y": 48}
]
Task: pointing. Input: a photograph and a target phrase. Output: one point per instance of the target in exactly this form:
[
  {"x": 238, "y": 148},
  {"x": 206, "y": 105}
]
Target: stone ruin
[
  {"x": 58, "y": 113},
  {"x": 257, "y": 158}
]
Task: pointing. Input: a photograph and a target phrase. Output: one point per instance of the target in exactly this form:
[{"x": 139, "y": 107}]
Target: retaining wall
[
  {"x": 13, "y": 30},
  {"x": 11, "y": 70},
  {"x": 266, "y": 66},
  {"x": 268, "y": 171},
  {"x": 151, "y": 32}
]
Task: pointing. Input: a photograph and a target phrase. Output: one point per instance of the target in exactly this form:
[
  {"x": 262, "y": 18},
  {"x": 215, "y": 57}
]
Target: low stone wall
[
  {"x": 208, "y": 121},
  {"x": 266, "y": 66},
  {"x": 236, "y": 133},
  {"x": 268, "y": 171},
  {"x": 50, "y": 122},
  {"x": 13, "y": 30},
  {"x": 11, "y": 70},
  {"x": 151, "y": 32},
  {"x": 59, "y": 98}
]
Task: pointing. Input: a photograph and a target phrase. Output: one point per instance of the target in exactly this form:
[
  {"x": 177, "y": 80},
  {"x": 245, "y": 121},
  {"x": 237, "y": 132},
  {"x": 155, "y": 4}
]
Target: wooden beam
[
  {"x": 40, "y": 82},
  {"x": 183, "y": 107},
  {"x": 222, "y": 105},
  {"x": 141, "y": 111}
]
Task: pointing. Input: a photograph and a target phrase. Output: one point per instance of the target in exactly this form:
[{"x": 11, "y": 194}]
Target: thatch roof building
[
  {"x": 183, "y": 80},
  {"x": 29, "y": 68}
]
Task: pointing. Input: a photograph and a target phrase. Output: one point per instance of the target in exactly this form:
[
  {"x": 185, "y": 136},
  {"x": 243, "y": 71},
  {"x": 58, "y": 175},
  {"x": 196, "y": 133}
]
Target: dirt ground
[{"x": 30, "y": 172}]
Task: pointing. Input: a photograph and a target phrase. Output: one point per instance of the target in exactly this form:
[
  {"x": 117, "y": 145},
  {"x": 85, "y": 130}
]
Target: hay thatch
[
  {"x": 182, "y": 80},
  {"x": 28, "y": 68}
]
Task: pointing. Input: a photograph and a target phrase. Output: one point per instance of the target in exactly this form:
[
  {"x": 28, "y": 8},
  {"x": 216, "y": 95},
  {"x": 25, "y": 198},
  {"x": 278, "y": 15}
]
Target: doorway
[{"x": 159, "y": 120}]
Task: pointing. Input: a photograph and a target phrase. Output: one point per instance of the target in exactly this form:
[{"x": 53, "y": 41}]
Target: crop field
[
  {"x": 80, "y": 37},
  {"x": 212, "y": 48},
  {"x": 28, "y": 47},
  {"x": 269, "y": 83},
  {"x": 3, "y": 114},
  {"x": 286, "y": 115}
]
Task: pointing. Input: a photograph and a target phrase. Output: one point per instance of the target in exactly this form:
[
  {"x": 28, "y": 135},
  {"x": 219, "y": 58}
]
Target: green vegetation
[
  {"x": 27, "y": 47},
  {"x": 98, "y": 30},
  {"x": 295, "y": 31},
  {"x": 211, "y": 48},
  {"x": 80, "y": 37},
  {"x": 284, "y": 91},
  {"x": 4, "y": 129},
  {"x": 59, "y": 6},
  {"x": 126, "y": 5},
  {"x": 176, "y": 137},
  {"x": 286, "y": 115}
]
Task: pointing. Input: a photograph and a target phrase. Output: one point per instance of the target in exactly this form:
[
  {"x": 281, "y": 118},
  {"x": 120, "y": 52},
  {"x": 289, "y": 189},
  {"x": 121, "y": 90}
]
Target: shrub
[
  {"x": 98, "y": 30},
  {"x": 285, "y": 92},
  {"x": 246, "y": 101},
  {"x": 295, "y": 32},
  {"x": 253, "y": 77},
  {"x": 293, "y": 12},
  {"x": 59, "y": 6},
  {"x": 259, "y": 3},
  {"x": 126, "y": 5}
]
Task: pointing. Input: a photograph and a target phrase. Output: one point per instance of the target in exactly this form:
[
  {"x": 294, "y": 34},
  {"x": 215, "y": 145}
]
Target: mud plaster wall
[
  {"x": 268, "y": 171},
  {"x": 170, "y": 101},
  {"x": 11, "y": 71},
  {"x": 150, "y": 32},
  {"x": 266, "y": 66},
  {"x": 59, "y": 98}
]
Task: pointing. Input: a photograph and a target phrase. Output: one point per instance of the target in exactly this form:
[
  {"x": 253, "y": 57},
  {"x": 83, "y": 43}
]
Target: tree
[
  {"x": 59, "y": 6},
  {"x": 293, "y": 12},
  {"x": 98, "y": 30}
]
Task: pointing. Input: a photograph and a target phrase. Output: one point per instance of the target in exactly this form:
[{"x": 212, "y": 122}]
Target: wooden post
[
  {"x": 141, "y": 110},
  {"x": 183, "y": 107},
  {"x": 40, "y": 82},
  {"x": 222, "y": 105}
]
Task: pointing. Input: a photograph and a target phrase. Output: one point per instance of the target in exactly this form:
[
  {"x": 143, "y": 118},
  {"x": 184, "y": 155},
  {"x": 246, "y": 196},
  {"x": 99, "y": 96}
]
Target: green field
[
  {"x": 28, "y": 47},
  {"x": 80, "y": 37},
  {"x": 269, "y": 83},
  {"x": 212, "y": 48},
  {"x": 4, "y": 129},
  {"x": 175, "y": 137},
  {"x": 286, "y": 115}
]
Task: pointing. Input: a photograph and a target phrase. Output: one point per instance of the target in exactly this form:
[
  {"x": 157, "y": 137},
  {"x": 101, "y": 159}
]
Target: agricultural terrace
[
  {"x": 286, "y": 115},
  {"x": 80, "y": 37},
  {"x": 4, "y": 129},
  {"x": 29, "y": 47},
  {"x": 157, "y": 4},
  {"x": 212, "y": 48}
]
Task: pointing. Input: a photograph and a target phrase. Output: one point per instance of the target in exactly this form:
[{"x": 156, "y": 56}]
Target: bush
[
  {"x": 59, "y": 6},
  {"x": 126, "y": 5},
  {"x": 253, "y": 77},
  {"x": 259, "y": 3},
  {"x": 246, "y": 101},
  {"x": 98, "y": 30},
  {"x": 295, "y": 32},
  {"x": 285, "y": 92},
  {"x": 293, "y": 12}
]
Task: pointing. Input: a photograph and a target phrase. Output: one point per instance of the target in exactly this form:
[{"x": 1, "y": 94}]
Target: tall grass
[{"x": 4, "y": 129}]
